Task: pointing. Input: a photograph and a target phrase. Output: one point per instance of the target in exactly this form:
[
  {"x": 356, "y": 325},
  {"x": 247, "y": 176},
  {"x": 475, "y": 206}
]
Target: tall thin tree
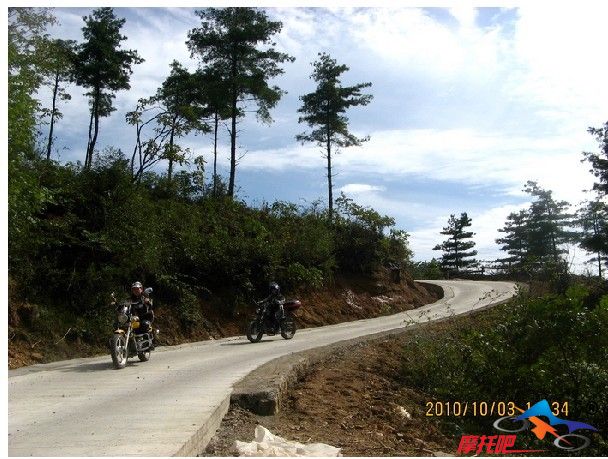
[
  {"x": 59, "y": 69},
  {"x": 102, "y": 67},
  {"x": 229, "y": 39},
  {"x": 323, "y": 110},
  {"x": 183, "y": 110},
  {"x": 214, "y": 89}
]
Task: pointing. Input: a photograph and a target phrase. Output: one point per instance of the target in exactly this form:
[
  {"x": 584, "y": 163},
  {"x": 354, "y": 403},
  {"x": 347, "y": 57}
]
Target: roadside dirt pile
[{"x": 40, "y": 334}]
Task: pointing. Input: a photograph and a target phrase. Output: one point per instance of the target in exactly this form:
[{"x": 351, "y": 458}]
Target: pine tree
[
  {"x": 457, "y": 253},
  {"x": 594, "y": 215},
  {"x": 592, "y": 218},
  {"x": 228, "y": 40},
  {"x": 214, "y": 91},
  {"x": 102, "y": 67},
  {"x": 323, "y": 110},
  {"x": 548, "y": 225},
  {"x": 599, "y": 161},
  {"x": 515, "y": 240}
]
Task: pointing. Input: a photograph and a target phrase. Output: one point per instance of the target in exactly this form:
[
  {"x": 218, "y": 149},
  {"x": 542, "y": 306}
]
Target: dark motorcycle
[
  {"x": 271, "y": 321},
  {"x": 128, "y": 340}
]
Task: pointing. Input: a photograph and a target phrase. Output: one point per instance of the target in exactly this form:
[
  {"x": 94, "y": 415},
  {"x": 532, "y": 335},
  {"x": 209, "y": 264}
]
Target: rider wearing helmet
[
  {"x": 275, "y": 301},
  {"x": 142, "y": 307}
]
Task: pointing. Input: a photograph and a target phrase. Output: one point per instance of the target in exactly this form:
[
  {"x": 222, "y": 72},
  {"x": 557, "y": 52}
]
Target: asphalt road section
[{"x": 173, "y": 404}]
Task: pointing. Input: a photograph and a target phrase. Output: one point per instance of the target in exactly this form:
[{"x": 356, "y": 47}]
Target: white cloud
[
  {"x": 455, "y": 155},
  {"x": 359, "y": 188}
]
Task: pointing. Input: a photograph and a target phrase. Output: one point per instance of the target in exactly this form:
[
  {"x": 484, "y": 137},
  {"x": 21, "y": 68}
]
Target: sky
[{"x": 469, "y": 104}]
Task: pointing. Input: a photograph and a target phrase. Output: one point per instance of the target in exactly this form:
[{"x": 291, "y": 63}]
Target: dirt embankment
[
  {"x": 353, "y": 399},
  {"x": 39, "y": 335}
]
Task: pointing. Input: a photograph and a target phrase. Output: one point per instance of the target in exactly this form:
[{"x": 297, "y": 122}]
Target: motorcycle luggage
[{"x": 292, "y": 305}]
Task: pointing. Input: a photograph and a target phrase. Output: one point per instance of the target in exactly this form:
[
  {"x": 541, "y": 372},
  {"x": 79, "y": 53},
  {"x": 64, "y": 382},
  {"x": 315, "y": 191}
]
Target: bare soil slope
[{"x": 39, "y": 335}]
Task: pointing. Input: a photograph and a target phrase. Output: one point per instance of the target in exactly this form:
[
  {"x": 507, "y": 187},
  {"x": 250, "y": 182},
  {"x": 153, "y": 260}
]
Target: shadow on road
[
  {"x": 88, "y": 367},
  {"x": 240, "y": 343}
]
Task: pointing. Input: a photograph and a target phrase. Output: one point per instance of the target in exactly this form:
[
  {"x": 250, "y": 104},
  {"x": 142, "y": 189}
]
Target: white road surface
[{"x": 172, "y": 404}]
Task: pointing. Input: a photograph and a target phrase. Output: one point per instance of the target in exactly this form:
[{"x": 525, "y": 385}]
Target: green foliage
[
  {"x": 599, "y": 161},
  {"x": 228, "y": 44},
  {"x": 535, "y": 237},
  {"x": 547, "y": 224},
  {"x": 553, "y": 347},
  {"x": 27, "y": 42},
  {"x": 455, "y": 257},
  {"x": 298, "y": 276},
  {"x": 361, "y": 243},
  {"x": 94, "y": 231},
  {"x": 426, "y": 270},
  {"x": 102, "y": 67},
  {"x": 59, "y": 69},
  {"x": 323, "y": 110},
  {"x": 592, "y": 218}
]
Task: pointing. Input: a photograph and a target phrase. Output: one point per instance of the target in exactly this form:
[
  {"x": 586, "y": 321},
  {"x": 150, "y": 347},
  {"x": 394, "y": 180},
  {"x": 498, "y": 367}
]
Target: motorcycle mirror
[{"x": 148, "y": 291}]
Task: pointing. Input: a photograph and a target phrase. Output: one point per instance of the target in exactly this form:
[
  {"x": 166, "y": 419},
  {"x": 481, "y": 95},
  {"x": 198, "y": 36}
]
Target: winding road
[{"x": 172, "y": 404}]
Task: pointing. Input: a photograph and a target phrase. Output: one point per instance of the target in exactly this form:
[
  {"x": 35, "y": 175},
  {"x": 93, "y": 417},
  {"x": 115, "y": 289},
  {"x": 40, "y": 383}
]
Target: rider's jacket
[{"x": 142, "y": 306}]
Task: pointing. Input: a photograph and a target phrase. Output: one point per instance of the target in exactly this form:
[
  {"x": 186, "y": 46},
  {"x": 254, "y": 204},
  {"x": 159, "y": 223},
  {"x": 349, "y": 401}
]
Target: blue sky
[{"x": 469, "y": 104}]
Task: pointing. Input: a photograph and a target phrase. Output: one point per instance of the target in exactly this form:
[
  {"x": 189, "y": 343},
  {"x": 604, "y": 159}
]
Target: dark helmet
[{"x": 273, "y": 288}]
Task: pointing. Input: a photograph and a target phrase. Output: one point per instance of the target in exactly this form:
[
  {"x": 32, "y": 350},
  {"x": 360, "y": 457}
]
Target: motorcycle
[
  {"x": 127, "y": 340},
  {"x": 271, "y": 324}
]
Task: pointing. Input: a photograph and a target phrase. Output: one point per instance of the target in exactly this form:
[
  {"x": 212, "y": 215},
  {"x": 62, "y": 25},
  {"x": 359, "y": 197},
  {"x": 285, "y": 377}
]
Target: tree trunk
[
  {"x": 52, "y": 123},
  {"x": 233, "y": 146},
  {"x": 170, "y": 171},
  {"x": 86, "y": 159},
  {"x": 234, "y": 113},
  {"x": 329, "y": 183},
  {"x": 215, "y": 155},
  {"x": 95, "y": 120}
]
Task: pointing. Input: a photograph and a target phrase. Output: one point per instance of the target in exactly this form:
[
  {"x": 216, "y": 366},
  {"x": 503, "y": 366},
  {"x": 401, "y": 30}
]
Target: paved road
[{"x": 172, "y": 404}]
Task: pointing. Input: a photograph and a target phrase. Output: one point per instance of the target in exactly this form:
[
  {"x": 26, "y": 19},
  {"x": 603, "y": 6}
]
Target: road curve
[{"x": 173, "y": 403}]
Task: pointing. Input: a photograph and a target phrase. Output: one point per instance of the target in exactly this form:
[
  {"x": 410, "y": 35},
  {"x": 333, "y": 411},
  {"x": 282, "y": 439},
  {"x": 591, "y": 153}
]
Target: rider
[
  {"x": 142, "y": 306},
  {"x": 275, "y": 301}
]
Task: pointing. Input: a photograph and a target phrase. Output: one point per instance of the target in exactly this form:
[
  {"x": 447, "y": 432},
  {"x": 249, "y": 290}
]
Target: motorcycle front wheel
[
  {"x": 254, "y": 334},
  {"x": 288, "y": 328},
  {"x": 118, "y": 350}
]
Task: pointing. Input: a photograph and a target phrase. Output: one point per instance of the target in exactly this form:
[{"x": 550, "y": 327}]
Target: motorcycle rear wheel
[
  {"x": 253, "y": 333},
  {"x": 288, "y": 328},
  {"x": 118, "y": 350}
]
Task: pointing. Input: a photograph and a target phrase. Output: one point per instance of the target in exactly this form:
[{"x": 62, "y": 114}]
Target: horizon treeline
[{"x": 536, "y": 239}]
